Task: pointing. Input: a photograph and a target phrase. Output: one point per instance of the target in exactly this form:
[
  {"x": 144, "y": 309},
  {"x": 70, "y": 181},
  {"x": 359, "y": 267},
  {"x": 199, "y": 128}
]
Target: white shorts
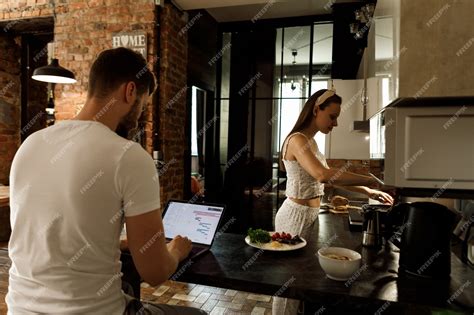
[
  {"x": 299, "y": 220},
  {"x": 295, "y": 218}
]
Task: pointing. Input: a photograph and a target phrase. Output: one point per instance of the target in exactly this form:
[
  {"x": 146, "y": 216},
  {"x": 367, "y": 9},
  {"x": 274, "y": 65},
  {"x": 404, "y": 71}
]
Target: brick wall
[
  {"x": 173, "y": 91},
  {"x": 84, "y": 28},
  {"x": 9, "y": 104}
]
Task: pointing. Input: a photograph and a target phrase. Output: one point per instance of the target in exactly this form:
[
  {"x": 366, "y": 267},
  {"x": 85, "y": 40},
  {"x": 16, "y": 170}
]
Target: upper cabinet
[
  {"x": 381, "y": 57},
  {"x": 423, "y": 47}
]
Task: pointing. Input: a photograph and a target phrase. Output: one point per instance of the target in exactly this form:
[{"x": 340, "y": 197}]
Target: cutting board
[
  {"x": 4, "y": 196},
  {"x": 343, "y": 209}
]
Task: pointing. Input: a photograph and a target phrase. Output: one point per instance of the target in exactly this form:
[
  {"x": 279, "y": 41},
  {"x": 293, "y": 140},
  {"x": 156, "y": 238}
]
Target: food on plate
[
  {"x": 259, "y": 236},
  {"x": 275, "y": 244},
  {"x": 339, "y": 201},
  {"x": 336, "y": 256},
  {"x": 262, "y": 236},
  {"x": 282, "y": 236},
  {"x": 273, "y": 241},
  {"x": 286, "y": 238}
]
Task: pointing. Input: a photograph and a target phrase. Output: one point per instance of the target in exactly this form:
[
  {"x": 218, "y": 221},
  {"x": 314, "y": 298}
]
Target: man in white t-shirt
[{"x": 73, "y": 185}]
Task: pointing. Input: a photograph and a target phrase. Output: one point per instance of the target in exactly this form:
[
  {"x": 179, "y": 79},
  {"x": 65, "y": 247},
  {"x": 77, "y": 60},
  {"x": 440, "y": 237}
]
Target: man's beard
[{"x": 128, "y": 126}]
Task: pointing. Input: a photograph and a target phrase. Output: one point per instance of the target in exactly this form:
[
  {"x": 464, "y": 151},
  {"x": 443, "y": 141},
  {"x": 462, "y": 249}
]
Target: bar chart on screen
[{"x": 197, "y": 222}]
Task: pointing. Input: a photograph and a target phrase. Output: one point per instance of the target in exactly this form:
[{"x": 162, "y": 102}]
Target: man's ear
[{"x": 130, "y": 92}]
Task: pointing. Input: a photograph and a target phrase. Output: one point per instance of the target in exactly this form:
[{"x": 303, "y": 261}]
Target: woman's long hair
[{"x": 306, "y": 115}]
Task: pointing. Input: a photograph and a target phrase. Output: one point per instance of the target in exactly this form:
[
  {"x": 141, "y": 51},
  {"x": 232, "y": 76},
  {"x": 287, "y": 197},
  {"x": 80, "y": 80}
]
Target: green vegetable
[{"x": 259, "y": 236}]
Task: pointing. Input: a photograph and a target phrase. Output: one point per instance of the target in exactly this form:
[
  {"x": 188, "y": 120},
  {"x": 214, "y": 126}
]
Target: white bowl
[{"x": 336, "y": 269}]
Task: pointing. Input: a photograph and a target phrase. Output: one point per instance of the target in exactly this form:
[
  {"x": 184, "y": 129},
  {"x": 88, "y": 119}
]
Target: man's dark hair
[{"x": 114, "y": 67}]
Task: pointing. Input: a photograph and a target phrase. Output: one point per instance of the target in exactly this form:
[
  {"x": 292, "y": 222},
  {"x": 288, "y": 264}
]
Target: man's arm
[{"x": 154, "y": 260}]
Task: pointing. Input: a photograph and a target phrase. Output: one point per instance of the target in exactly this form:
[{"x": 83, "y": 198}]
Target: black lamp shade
[{"x": 54, "y": 73}]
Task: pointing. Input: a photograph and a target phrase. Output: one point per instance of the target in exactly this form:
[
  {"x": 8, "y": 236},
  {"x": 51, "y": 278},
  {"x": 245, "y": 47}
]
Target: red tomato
[
  {"x": 277, "y": 235},
  {"x": 283, "y": 235},
  {"x": 288, "y": 236}
]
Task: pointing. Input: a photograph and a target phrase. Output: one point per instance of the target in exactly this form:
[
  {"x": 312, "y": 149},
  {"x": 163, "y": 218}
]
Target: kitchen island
[{"x": 376, "y": 286}]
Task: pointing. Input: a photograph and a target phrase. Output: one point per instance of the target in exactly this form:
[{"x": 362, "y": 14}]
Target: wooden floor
[{"x": 212, "y": 300}]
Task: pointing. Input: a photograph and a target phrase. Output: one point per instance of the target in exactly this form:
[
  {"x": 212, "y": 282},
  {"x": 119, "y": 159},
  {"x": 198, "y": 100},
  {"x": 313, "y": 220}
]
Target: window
[
  {"x": 294, "y": 60},
  {"x": 194, "y": 145},
  {"x": 302, "y": 66},
  {"x": 291, "y": 106}
]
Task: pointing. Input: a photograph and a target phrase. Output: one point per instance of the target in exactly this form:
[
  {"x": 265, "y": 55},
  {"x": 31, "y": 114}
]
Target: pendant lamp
[{"x": 54, "y": 73}]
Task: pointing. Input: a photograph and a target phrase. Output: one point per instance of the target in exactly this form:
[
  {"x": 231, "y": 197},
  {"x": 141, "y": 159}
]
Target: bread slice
[{"x": 338, "y": 201}]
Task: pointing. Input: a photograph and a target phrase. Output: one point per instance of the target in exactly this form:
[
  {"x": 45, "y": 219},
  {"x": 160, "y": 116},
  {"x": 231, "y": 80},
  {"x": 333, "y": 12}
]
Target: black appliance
[
  {"x": 424, "y": 230},
  {"x": 374, "y": 225}
]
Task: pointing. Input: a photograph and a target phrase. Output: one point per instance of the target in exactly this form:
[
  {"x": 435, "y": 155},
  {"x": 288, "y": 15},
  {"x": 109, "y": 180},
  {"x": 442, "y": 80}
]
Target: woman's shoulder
[
  {"x": 298, "y": 142},
  {"x": 297, "y": 137}
]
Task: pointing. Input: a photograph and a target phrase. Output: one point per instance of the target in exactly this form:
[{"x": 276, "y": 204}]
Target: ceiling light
[
  {"x": 54, "y": 73},
  {"x": 294, "y": 52}
]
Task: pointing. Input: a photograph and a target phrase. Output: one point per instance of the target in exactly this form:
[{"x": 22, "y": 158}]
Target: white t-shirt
[{"x": 71, "y": 185}]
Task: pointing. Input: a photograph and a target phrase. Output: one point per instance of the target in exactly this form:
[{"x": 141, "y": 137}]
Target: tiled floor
[{"x": 212, "y": 300}]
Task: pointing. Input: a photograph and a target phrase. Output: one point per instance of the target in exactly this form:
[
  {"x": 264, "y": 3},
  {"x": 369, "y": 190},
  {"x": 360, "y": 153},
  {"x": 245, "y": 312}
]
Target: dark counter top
[{"x": 297, "y": 274}]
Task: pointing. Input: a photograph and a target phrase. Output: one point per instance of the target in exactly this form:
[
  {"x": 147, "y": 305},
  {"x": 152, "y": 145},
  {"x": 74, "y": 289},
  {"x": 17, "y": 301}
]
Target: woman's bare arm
[
  {"x": 358, "y": 189},
  {"x": 371, "y": 193},
  {"x": 299, "y": 149}
]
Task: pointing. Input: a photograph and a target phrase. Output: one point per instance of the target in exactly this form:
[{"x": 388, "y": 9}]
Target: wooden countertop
[{"x": 4, "y": 196}]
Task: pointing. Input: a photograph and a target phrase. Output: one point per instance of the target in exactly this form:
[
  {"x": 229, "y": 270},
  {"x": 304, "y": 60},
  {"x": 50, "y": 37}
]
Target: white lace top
[{"x": 300, "y": 184}]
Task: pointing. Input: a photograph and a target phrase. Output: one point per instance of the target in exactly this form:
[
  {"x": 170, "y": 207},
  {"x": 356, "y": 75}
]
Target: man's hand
[
  {"x": 148, "y": 247},
  {"x": 179, "y": 247}
]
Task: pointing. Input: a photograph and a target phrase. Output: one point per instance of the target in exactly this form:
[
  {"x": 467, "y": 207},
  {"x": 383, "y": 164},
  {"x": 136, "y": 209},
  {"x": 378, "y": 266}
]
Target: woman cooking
[{"x": 307, "y": 171}]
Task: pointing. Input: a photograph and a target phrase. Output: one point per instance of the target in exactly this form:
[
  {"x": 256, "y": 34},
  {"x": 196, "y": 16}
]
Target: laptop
[{"x": 197, "y": 221}]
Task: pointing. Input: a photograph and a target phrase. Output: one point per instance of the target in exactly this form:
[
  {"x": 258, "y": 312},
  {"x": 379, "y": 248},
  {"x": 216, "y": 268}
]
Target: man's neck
[{"x": 102, "y": 113}]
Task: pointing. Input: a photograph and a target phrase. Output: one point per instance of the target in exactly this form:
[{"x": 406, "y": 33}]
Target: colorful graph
[{"x": 197, "y": 222}]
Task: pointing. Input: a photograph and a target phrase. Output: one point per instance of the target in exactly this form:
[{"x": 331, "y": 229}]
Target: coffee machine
[{"x": 374, "y": 224}]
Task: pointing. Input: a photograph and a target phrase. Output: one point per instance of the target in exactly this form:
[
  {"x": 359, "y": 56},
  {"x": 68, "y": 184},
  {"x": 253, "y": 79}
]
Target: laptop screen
[{"x": 198, "y": 222}]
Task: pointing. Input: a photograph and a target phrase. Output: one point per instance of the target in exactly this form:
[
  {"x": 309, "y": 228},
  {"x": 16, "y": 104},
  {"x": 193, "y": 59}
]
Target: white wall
[{"x": 341, "y": 142}]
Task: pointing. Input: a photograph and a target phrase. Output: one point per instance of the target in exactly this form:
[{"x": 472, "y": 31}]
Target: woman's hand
[{"x": 380, "y": 196}]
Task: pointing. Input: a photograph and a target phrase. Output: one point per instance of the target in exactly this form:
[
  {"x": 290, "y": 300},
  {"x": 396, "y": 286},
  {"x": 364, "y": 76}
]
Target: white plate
[{"x": 282, "y": 248}]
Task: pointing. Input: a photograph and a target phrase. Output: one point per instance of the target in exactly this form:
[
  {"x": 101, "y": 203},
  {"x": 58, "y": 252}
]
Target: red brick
[{"x": 77, "y": 45}]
